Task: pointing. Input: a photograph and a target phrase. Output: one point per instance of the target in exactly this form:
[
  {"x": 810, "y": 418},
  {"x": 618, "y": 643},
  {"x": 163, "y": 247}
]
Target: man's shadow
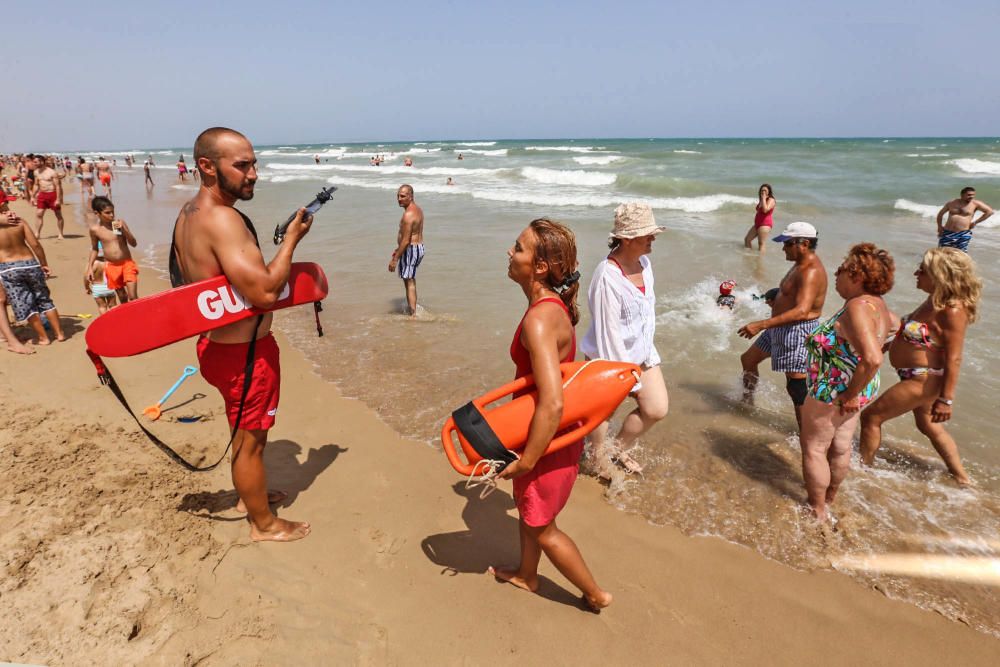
[
  {"x": 284, "y": 473},
  {"x": 492, "y": 538}
]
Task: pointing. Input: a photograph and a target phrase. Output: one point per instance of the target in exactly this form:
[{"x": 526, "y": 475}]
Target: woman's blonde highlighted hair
[{"x": 956, "y": 281}]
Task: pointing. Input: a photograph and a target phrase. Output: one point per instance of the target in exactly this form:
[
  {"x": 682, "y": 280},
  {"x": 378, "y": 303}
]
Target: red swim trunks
[
  {"x": 122, "y": 272},
  {"x": 47, "y": 200},
  {"x": 105, "y": 178},
  {"x": 223, "y": 366}
]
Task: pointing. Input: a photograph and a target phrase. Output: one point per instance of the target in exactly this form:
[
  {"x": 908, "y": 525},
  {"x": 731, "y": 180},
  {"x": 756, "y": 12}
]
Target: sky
[{"x": 121, "y": 75}]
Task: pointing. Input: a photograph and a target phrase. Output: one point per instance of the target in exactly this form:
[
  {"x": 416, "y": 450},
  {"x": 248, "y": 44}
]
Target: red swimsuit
[{"x": 542, "y": 493}]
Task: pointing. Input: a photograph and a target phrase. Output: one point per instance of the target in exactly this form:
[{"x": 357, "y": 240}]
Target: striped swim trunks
[
  {"x": 787, "y": 345},
  {"x": 959, "y": 240},
  {"x": 408, "y": 263}
]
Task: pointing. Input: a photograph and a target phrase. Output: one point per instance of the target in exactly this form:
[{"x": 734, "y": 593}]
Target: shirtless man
[
  {"x": 105, "y": 173},
  {"x": 115, "y": 237},
  {"x": 23, "y": 271},
  {"x": 794, "y": 315},
  {"x": 211, "y": 238},
  {"x": 85, "y": 170},
  {"x": 145, "y": 168},
  {"x": 48, "y": 195},
  {"x": 409, "y": 250},
  {"x": 957, "y": 231}
]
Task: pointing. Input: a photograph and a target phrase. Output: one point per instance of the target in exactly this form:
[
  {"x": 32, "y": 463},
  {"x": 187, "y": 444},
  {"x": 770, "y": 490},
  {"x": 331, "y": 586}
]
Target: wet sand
[{"x": 113, "y": 554}]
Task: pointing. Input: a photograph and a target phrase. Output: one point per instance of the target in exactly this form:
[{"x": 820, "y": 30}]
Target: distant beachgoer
[
  {"x": 85, "y": 171},
  {"x": 212, "y": 238},
  {"x": 408, "y": 162},
  {"x": 796, "y": 311},
  {"x": 182, "y": 169},
  {"x": 460, "y": 157},
  {"x": 845, "y": 353},
  {"x": 622, "y": 328},
  {"x": 763, "y": 218},
  {"x": 543, "y": 263},
  {"x": 316, "y": 158},
  {"x": 957, "y": 231},
  {"x": 105, "y": 297},
  {"x": 146, "y": 166},
  {"x": 150, "y": 158},
  {"x": 409, "y": 252},
  {"x": 105, "y": 172},
  {"x": 927, "y": 356},
  {"x": 754, "y": 355},
  {"x": 450, "y": 182},
  {"x": 115, "y": 237},
  {"x": 726, "y": 298},
  {"x": 23, "y": 273},
  {"x": 48, "y": 196}
]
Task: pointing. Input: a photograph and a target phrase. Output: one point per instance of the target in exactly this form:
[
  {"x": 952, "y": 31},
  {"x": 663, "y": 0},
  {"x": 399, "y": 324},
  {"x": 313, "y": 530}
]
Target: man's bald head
[{"x": 212, "y": 143}]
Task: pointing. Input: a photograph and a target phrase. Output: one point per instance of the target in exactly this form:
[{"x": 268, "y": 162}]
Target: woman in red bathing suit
[
  {"x": 763, "y": 219},
  {"x": 543, "y": 262}
]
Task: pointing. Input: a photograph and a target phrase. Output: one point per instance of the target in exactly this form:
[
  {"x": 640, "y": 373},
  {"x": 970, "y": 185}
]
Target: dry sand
[{"x": 112, "y": 554}]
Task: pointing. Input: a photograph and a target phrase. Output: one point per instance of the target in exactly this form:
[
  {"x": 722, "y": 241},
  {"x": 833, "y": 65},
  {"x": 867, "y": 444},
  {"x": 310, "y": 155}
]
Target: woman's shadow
[
  {"x": 284, "y": 472},
  {"x": 492, "y": 538}
]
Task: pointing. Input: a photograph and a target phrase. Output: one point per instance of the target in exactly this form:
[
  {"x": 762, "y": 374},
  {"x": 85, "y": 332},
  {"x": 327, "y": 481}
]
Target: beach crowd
[{"x": 831, "y": 365}]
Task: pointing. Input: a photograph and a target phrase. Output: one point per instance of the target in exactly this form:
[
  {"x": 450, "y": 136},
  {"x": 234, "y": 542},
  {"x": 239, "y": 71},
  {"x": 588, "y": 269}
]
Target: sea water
[{"x": 714, "y": 466}]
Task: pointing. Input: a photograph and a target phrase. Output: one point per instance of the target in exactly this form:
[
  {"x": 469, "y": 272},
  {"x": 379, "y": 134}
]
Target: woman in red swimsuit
[
  {"x": 543, "y": 262},
  {"x": 763, "y": 218}
]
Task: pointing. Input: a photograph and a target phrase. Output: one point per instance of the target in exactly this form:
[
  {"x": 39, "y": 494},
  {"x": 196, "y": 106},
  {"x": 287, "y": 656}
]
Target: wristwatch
[{"x": 942, "y": 399}]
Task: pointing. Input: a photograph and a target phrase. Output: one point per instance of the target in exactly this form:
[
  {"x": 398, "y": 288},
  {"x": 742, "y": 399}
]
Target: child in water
[{"x": 726, "y": 299}]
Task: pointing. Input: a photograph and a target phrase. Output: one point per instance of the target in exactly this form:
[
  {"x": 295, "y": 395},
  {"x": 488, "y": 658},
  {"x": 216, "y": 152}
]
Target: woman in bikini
[
  {"x": 543, "y": 263},
  {"x": 927, "y": 355},
  {"x": 763, "y": 219},
  {"x": 623, "y": 323},
  {"x": 844, "y": 355}
]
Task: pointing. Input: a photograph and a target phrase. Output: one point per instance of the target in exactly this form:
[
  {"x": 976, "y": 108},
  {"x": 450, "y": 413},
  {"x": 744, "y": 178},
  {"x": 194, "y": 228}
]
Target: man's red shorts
[
  {"x": 119, "y": 273},
  {"x": 47, "y": 200},
  {"x": 223, "y": 366}
]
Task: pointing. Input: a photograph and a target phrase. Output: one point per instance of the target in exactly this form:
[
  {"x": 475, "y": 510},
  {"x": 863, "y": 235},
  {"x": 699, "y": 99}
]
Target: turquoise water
[{"x": 713, "y": 466}]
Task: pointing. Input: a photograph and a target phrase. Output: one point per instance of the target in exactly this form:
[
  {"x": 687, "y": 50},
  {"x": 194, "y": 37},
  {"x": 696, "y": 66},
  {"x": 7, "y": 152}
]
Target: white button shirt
[{"x": 623, "y": 319}]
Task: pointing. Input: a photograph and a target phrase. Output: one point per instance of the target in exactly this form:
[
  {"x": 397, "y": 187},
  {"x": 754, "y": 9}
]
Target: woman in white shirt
[{"x": 623, "y": 321}]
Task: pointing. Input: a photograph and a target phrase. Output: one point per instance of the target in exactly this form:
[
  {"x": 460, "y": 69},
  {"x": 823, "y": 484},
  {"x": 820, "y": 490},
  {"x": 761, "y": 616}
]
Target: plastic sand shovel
[{"x": 153, "y": 412}]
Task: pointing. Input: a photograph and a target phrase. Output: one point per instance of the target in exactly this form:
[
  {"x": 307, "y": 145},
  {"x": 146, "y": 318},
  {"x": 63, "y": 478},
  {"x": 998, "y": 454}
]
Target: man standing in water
[
  {"x": 957, "y": 231},
  {"x": 49, "y": 195},
  {"x": 794, "y": 315},
  {"x": 409, "y": 245},
  {"x": 105, "y": 173},
  {"x": 211, "y": 238},
  {"x": 146, "y": 166}
]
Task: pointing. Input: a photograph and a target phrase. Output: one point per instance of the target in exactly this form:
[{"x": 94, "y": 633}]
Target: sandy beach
[{"x": 112, "y": 554}]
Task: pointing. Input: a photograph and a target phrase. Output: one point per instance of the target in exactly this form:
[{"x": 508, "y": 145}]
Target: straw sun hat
[{"x": 633, "y": 220}]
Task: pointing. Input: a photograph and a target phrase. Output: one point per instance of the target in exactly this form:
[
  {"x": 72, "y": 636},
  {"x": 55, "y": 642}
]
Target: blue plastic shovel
[{"x": 153, "y": 411}]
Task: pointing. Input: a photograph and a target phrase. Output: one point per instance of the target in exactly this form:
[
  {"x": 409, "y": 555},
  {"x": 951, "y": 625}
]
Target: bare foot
[
  {"x": 61, "y": 337},
  {"x": 44, "y": 341},
  {"x": 17, "y": 347},
  {"x": 964, "y": 481},
  {"x": 281, "y": 530},
  {"x": 597, "y": 602},
  {"x": 273, "y": 497},
  {"x": 626, "y": 461},
  {"x": 511, "y": 577}
]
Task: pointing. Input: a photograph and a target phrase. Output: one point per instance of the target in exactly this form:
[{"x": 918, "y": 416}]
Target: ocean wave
[
  {"x": 598, "y": 159},
  {"x": 475, "y": 143},
  {"x": 565, "y": 149},
  {"x": 385, "y": 169},
  {"x": 973, "y": 166},
  {"x": 927, "y": 155},
  {"x": 471, "y": 151},
  {"x": 926, "y": 210},
  {"x": 681, "y": 150},
  {"x": 287, "y": 178},
  {"x": 562, "y": 177},
  {"x": 420, "y": 150},
  {"x": 705, "y": 204}
]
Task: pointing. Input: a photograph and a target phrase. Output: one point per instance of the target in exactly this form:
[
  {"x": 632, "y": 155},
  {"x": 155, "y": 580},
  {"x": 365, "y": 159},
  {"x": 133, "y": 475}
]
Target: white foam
[
  {"x": 472, "y": 151},
  {"x": 287, "y": 178},
  {"x": 926, "y": 210},
  {"x": 598, "y": 159},
  {"x": 681, "y": 150},
  {"x": 563, "y": 177},
  {"x": 384, "y": 169},
  {"x": 475, "y": 143},
  {"x": 927, "y": 155},
  {"x": 973, "y": 166},
  {"x": 565, "y": 149}
]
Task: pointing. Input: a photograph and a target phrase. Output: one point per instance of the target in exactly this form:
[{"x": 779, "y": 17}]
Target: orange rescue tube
[{"x": 592, "y": 391}]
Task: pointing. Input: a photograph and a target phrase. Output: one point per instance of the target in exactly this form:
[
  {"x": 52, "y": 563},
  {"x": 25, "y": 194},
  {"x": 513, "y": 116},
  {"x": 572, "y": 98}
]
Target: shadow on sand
[
  {"x": 284, "y": 472},
  {"x": 491, "y": 539}
]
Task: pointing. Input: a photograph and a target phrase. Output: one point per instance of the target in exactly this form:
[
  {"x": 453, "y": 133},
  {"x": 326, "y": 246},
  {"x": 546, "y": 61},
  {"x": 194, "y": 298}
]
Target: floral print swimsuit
[{"x": 831, "y": 363}]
